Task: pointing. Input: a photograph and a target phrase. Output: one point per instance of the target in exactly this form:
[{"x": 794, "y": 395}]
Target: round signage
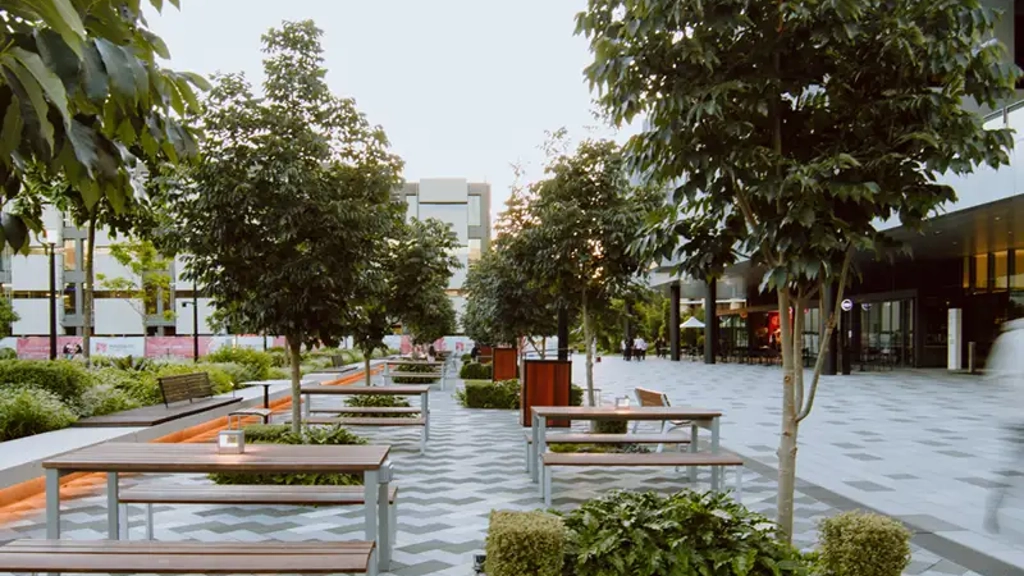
[
  {"x": 847, "y": 305},
  {"x": 865, "y": 306}
]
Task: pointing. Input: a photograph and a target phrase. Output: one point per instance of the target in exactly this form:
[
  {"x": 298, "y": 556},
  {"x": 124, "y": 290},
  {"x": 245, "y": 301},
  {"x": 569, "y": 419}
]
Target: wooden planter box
[
  {"x": 546, "y": 383},
  {"x": 506, "y": 364}
]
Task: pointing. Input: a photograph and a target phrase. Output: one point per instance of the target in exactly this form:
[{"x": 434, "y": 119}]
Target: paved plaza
[{"x": 475, "y": 464}]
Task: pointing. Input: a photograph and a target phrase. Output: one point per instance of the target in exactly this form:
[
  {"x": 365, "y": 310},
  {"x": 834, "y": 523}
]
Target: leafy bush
[
  {"x": 144, "y": 387},
  {"x": 259, "y": 363},
  {"x": 467, "y": 358},
  {"x": 430, "y": 371},
  {"x": 378, "y": 401},
  {"x": 239, "y": 373},
  {"x": 104, "y": 399},
  {"x": 278, "y": 357},
  {"x": 611, "y": 426},
  {"x": 521, "y": 543},
  {"x": 8, "y": 354},
  {"x": 861, "y": 544},
  {"x": 502, "y": 395},
  {"x": 576, "y": 395},
  {"x": 685, "y": 534},
  {"x": 282, "y": 434},
  {"x": 279, "y": 374},
  {"x": 65, "y": 379},
  {"x": 315, "y": 364},
  {"x": 599, "y": 448},
  {"x": 27, "y": 410},
  {"x": 476, "y": 371}
]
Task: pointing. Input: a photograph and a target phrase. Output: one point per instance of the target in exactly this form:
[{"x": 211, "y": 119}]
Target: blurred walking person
[{"x": 1006, "y": 365}]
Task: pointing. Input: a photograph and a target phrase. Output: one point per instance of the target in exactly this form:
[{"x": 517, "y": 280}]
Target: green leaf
[
  {"x": 94, "y": 75},
  {"x": 50, "y": 83},
  {"x": 13, "y": 125},
  {"x": 15, "y": 231},
  {"x": 62, "y": 17},
  {"x": 58, "y": 56},
  {"x": 31, "y": 90},
  {"x": 119, "y": 69},
  {"x": 84, "y": 144}
]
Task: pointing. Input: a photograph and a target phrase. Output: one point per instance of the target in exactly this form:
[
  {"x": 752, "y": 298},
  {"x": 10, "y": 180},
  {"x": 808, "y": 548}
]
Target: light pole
[
  {"x": 53, "y": 299},
  {"x": 195, "y": 322}
]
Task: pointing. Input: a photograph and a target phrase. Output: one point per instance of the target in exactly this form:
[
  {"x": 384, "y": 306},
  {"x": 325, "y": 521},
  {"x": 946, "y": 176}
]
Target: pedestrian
[
  {"x": 625, "y": 350},
  {"x": 431, "y": 353},
  {"x": 68, "y": 351},
  {"x": 1006, "y": 366},
  {"x": 78, "y": 350},
  {"x": 475, "y": 352},
  {"x": 641, "y": 348},
  {"x": 659, "y": 347}
]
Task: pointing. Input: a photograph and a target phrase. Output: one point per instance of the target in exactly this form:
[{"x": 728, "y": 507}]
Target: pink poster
[
  {"x": 38, "y": 347},
  {"x": 175, "y": 346}
]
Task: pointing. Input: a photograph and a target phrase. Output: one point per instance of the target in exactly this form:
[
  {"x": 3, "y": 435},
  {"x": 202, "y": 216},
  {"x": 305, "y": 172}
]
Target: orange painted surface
[
  {"x": 28, "y": 497},
  {"x": 505, "y": 363},
  {"x": 547, "y": 383}
]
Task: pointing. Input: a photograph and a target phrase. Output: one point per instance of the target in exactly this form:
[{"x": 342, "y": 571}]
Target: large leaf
[
  {"x": 15, "y": 231},
  {"x": 25, "y": 86},
  {"x": 119, "y": 69},
  {"x": 48, "y": 81},
  {"x": 58, "y": 57},
  {"x": 94, "y": 76},
  {"x": 63, "y": 18}
]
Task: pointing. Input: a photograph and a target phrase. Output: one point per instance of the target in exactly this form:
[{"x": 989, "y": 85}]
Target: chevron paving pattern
[{"x": 474, "y": 464}]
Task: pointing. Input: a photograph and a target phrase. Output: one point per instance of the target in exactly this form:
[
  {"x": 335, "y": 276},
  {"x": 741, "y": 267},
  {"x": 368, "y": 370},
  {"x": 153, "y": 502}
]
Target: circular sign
[
  {"x": 865, "y": 306},
  {"x": 847, "y": 305}
]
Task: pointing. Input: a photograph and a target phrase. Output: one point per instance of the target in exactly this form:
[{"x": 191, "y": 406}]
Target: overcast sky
[{"x": 463, "y": 88}]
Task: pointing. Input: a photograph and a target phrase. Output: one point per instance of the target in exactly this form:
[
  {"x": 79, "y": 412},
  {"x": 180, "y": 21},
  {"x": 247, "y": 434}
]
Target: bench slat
[
  {"x": 364, "y": 409},
  {"x": 614, "y": 439},
  {"x": 252, "y": 411},
  {"x": 262, "y": 495},
  {"x": 115, "y": 557},
  {"x": 368, "y": 421},
  {"x": 650, "y": 459}
]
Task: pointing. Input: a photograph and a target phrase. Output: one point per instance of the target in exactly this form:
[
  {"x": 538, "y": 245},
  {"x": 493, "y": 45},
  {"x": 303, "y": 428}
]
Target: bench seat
[
  {"x": 263, "y": 413},
  {"x": 675, "y": 459},
  {"x": 584, "y": 438},
  {"x": 368, "y": 421},
  {"x": 370, "y": 409},
  {"x": 120, "y": 557},
  {"x": 422, "y": 375}
]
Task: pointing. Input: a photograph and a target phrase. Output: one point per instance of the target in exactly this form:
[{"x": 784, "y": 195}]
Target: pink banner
[
  {"x": 175, "y": 346},
  {"x": 406, "y": 346},
  {"x": 38, "y": 347}
]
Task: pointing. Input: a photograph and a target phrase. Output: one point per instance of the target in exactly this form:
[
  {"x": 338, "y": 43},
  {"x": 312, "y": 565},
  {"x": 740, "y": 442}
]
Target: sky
[{"x": 463, "y": 88}]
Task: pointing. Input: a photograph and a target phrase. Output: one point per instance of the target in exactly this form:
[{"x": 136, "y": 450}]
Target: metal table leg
[
  {"x": 371, "y": 491},
  {"x": 716, "y": 471},
  {"x": 52, "y": 504},
  {"x": 113, "y": 510}
]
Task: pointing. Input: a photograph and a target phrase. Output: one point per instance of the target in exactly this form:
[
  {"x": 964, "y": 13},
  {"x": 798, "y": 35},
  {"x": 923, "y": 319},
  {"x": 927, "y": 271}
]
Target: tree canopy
[{"x": 790, "y": 129}]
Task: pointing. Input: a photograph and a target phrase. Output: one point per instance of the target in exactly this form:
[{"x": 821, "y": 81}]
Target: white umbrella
[{"x": 692, "y": 322}]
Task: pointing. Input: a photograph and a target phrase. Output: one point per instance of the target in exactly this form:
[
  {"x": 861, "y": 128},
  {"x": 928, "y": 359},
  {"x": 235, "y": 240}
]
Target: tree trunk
[
  {"x": 88, "y": 292},
  {"x": 366, "y": 366},
  {"x": 788, "y": 438},
  {"x": 295, "y": 347},
  {"x": 543, "y": 347},
  {"x": 588, "y": 337}
]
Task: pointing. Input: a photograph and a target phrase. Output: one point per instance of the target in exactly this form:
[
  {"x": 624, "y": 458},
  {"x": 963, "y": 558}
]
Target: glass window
[
  {"x": 967, "y": 272},
  {"x": 1002, "y": 272},
  {"x": 1018, "y": 270},
  {"x": 981, "y": 271},
  {"x": 474, "y": 249},
  {"x": 412, "y": 207},
  {"x": 70, "y": 302},
  {"x": 475, "y": 208},
  {"x": 70, "y": 255}
]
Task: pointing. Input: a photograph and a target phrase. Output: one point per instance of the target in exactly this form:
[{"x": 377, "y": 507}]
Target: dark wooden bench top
[
  {"x": 204, "y": 458},
  {"x": 158, "y": 493},
  {"x": 396, "y": 390},
  {"x": 368, "y": 421},
  {"x": 614, "y": 438},
  {"x": 181, "y": 387},
  {"x": 149, "y": 557},
  {"x": 650, "y": 459}
]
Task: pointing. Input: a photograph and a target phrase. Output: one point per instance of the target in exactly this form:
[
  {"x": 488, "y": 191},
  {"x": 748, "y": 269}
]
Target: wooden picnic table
[
  {"x": 421, "y": 390},
  {"x": 699, "y": 418},
  {"x": 440, "y": 365},
  {"x": 115, "y": 458}
]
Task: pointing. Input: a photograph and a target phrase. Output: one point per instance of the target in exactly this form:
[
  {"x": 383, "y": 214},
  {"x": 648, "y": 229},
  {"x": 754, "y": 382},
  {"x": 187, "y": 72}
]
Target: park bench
[
  {"x": 674, "y": 459},
  {"x": 240, "y": 495},
  {"x": 438, "y": 370},
  {"x": 120, "y": 557},
  {"x": 583, "y": 438},
  {"x": 421, "y": 413},
  {"x": 197, "y": 386}
]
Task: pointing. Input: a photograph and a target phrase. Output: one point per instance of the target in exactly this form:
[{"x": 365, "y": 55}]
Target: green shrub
[
  {"x": 26, "y": 410},
  {"x": 279, "y": 374},
  {"x": 611, "y": 426},
  {"x": 502, "y": 395},
  {"x": 144, "y": 387},
  {"x": 525, "y": 543},
  {"x": 476, "y": 371},
  {"x": 259, "y": 363},
  {"x": 599, "y": 448},
  {"x": 685, "y": 534},
  {"x": 239, "y": 373},
  {"x": 316, "y": 364},
  {"x": 282, "y": 434},
  {"x": 8, "y": 354},
  {"x": 861, "y": 544},
  {"x": 430, "y": 371},
  {"x": 65, "y": 379},
  {"x": 467, "y": 358},
  {"x": 102, "y": 400},
  {"x": 378, "y": 401},
  {"x": 278, "y": 357},
  {"x": 576, "y": 395}
]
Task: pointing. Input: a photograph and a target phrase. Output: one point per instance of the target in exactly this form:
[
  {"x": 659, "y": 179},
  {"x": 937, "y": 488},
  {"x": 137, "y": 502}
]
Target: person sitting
[{"x": 475, "y": 352}]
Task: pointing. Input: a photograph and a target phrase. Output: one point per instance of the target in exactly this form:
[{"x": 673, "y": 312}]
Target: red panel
[
  {"x": 505, "y": 360},
  {"x": 546, "y": 383}
]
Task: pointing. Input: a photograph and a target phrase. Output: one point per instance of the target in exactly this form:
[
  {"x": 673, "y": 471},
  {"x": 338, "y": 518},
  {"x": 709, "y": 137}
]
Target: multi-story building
[{"x": 465, "y": 207}]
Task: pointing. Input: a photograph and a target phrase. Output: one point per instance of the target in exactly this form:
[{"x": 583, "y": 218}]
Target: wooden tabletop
[
  {"x": 396, "y": 390},
  {"x": 418, "y": 362},
  {"x": 631, "y": 413},
  {"x": 204, "y": 458}
]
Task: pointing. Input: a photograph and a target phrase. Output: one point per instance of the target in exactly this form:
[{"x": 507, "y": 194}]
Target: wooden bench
[
  {"x": 583, "y": 438},
  {"x": 191, "y": 387},
  {"x": 241, "y": 495},
  {"x": 674, "y": 459},
  {"x": 119, "y": 557},
  {"x": 421, "y": 412},
  {"x": 439, "y": 371}
]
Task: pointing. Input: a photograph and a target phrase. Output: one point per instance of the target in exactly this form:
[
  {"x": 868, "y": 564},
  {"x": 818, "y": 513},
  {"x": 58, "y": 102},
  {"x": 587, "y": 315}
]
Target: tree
[
  {"x": 149, "y": 276},
  {"x": 432, "y": 318},
  {"x": 790, "y": 129},
  {"x": 7, "y": 316},
  {"x": 289, "y": 201},
  {"x": 582, "y": 220},
  {"x": 84, "y": 100}
]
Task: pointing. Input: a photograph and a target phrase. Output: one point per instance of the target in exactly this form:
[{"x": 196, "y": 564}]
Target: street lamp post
[
  {"x": 53, "y": 300},
  {"x": 195, "y": 323}
]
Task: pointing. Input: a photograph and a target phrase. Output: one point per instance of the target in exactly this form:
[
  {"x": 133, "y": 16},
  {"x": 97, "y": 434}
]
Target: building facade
[{"x": 466, "y": 208}]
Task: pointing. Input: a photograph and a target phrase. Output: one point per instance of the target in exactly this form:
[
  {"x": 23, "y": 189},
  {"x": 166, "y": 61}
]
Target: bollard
[{"x": 971, "y": 347}]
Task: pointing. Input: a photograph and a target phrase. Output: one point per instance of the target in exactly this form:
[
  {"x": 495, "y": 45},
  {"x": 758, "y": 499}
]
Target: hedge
[
  {"x": 64, "y": 379},
  {"x": 862, "y": 544},
  {"x": 26, "y": 410},
  {"x": 476, "y": 371},
  {"x": 377, "y": 401},
  {"x": 258, "y": 364},
  {"x": 282, "y": 434},
  {"x": 486, "y": 394},
  {"x": 525, "y": 543},
  {"x": 430, "y": 372}
]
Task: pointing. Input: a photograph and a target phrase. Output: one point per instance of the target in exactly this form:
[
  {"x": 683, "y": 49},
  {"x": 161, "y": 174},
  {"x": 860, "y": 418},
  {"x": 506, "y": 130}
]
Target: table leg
[
  {"x": 534, "y": 428},
  {"x": 694, "y": 437},
  {"x": 716, "y": 471},
  {"x": 542, "y": 442},
  {"x": 266, "y": 397},
  {"x": 384, "y": 516},
  {"x": 113, "y": 510},
  {"x": 425, "y": 407},
  {"x": 371, "y": 478},
  {"x": 307, "y": 405},
  {"x": 52, "y": 504}
]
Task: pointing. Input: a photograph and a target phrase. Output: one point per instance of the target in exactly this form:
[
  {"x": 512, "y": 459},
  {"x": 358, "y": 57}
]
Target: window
[
  {"x": 1001, "y": 275},
  {"x": 412, "y": 207},
  {"x": 70, "y": 255},
  {"x": 70, "y": 301},
  {"x": 981, "y": 271},
  {"x": 475, "y": 207},
  {"x": 1017, "y": 281},
  {"x": 474, "y": 249}
]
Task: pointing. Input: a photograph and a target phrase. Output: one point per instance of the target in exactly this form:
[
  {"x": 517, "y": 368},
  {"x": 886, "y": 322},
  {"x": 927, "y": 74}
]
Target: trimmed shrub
[
  {"x": 467, "y": 358},
  {"x": 278, "y": 357},
  {"x": 521, "y": 543},
  {"x": 862, "y": 544},
  {"x": 611, "y": 426},
  {"x": 66, "y": 380},
  {"x": 26, "y": 410},
  {"x": 502, "y": 395},
  {"x": 145, "y": 386},
  {"x": 8, "y": 354},
  {"x": 430, "y": 371},
  {"x": 377, "y": 401},
  {"x": 238, "y": 373},
  {"x": 576, "y": 394},
  {"x": 102, "y": 400},
  {"x": 476, "y": 371},
  {"x": 686, "y": 534},
  {"x": 279, "y": 374},
  {"x": 258, "y": 363},
  {"x": 282, "y": 434}
]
